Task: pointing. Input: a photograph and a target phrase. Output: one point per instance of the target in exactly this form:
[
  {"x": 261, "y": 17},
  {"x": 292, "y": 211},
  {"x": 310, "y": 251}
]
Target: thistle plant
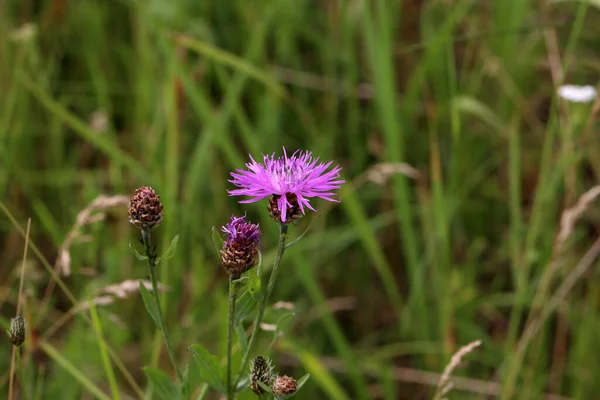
[
  {"x": 146, "y": 213},
  {"x": 289, "y": 183},
  {"x": 239, "y": 254}
]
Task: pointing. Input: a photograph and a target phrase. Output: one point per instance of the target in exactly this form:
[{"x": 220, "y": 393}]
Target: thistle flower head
[
  {"x": 290, "y": 181},
  {"x": 17, "y": 330},
  {"x": 284, "y": 385},
  {"x": 261, "y": 370},
  {"x": 145, "y": 210},
  {"x": 240, "y": 250},
  {"x": 578, "y": 94}
]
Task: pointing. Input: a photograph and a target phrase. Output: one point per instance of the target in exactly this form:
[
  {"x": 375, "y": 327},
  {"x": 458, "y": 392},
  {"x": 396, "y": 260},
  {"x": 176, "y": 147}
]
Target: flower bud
[
  {"x": 145, "y": 210},
  {"x": 17, "y": 331},
  {"x": 284, "y": 385},
  {"x": 240, "y": 250},
  {"x": 261, "y": 370}
]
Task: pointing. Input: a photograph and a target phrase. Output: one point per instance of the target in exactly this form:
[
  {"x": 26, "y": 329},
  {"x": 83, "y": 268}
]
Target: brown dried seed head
[
  {"x": 17, "y": 331},
  {"x": 284, "y": 385},
  {"x": 261, "y": 370},
  {"x": 145, "y": 210}
]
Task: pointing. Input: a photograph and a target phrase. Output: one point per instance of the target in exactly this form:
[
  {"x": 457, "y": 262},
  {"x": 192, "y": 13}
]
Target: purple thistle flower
[
  {"x": 240, "y": 250},
  {"x": 290, "y": 181}
]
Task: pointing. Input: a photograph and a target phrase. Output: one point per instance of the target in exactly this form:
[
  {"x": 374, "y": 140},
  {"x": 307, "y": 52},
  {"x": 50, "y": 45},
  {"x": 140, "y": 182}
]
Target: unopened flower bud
[
  {"x": 145, "y": 210},
  {"x": 261, "y": 370},
  {"x": 284, "y": 385},
  {"x": 240, "y": 250},
  {"x": 17, "y": 331}
]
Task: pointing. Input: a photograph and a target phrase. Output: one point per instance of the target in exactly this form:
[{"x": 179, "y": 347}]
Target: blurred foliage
[{"x": 460, "y": 161}]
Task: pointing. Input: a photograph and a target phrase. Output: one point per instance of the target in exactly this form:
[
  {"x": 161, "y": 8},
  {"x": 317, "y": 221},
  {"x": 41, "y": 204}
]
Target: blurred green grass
[{"x": 104, "y": 97}]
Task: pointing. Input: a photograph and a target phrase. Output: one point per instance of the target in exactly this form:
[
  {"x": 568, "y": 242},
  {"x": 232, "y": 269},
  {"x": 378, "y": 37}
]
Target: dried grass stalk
[
  {"x": 445, "y": 385},
  {"x": 87, "y": 216},
  {"x": 571, "y": 215}
]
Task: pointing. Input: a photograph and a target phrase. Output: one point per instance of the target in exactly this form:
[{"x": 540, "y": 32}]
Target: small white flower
[{"x": 577, "y": 94}]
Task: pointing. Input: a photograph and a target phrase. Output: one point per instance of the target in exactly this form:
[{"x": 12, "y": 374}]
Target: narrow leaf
[
  {"x": 137, "y": 254},
  {"x": 171, "y": 249},
  {"x": 243, "y": 307},
  {"x": 241, "y": 282},
  {"x": 209, "y": 367},
  {"x": 301, "y": 383},
  {"x": 162, "y": 384},
  {"x": 242, "y": 384},
  {"x": 217, "y": 239},
  {"x": 266, "y": 388},
  {"x": 150, "y": 305},
  {"x": 254, "y": 284},
  {"x": 242, "y": 339},
  {"x": 293, "y": 242},
  {"x": 279, "y": 327},
  {"x": 184, "y": 390}
]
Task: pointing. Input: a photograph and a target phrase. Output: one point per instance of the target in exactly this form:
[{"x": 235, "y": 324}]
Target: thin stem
[
  {"x": 20, "y": 373},
  {"x": 11, "y": 379},
  {"x": 152, "y": 270},
  {"x": 230, "y": 319},
  {"x": 263, "y": 305}
]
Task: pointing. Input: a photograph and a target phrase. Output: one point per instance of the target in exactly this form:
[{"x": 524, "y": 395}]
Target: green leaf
[
  {"x": 254, "y": 284},
  {"x": 293, "y": 242},
  {"x": 242, "y": 384},
  {"x": 301, "y": 383},
  {"x": 242, "y": 339},
  {"x": 244, "y": 305},
  {"x": 186, "y": 382},
  {"x": 137, "y": 254},
  {"x": 266, "y": 388},
  {"x": 279, "y": 325},
  {"x": 210, "y": 369},
  {"x": 150, "y": 305},
  {"x": 217, "y": 240},
  {"x": 171, "y": 249},
  {"x": 240, "y": 282},
  {"x": 162, "y": 384}
]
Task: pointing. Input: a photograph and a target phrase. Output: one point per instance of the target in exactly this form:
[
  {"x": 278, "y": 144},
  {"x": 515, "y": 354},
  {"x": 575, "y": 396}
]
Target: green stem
[
  {"x": 20, "y": 373},
  {"x": 152, "y": 270},
  {"x": 263, "y": 305},
  {"x": 230, "y": 319}
]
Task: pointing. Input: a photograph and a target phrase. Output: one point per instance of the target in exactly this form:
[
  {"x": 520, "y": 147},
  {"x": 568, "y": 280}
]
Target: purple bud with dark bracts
[{"x": 240, "y": 250}]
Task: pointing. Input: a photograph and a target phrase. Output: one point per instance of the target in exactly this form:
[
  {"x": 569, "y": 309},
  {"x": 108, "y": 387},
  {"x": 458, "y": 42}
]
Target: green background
[{"x": 459, "y": 157}]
